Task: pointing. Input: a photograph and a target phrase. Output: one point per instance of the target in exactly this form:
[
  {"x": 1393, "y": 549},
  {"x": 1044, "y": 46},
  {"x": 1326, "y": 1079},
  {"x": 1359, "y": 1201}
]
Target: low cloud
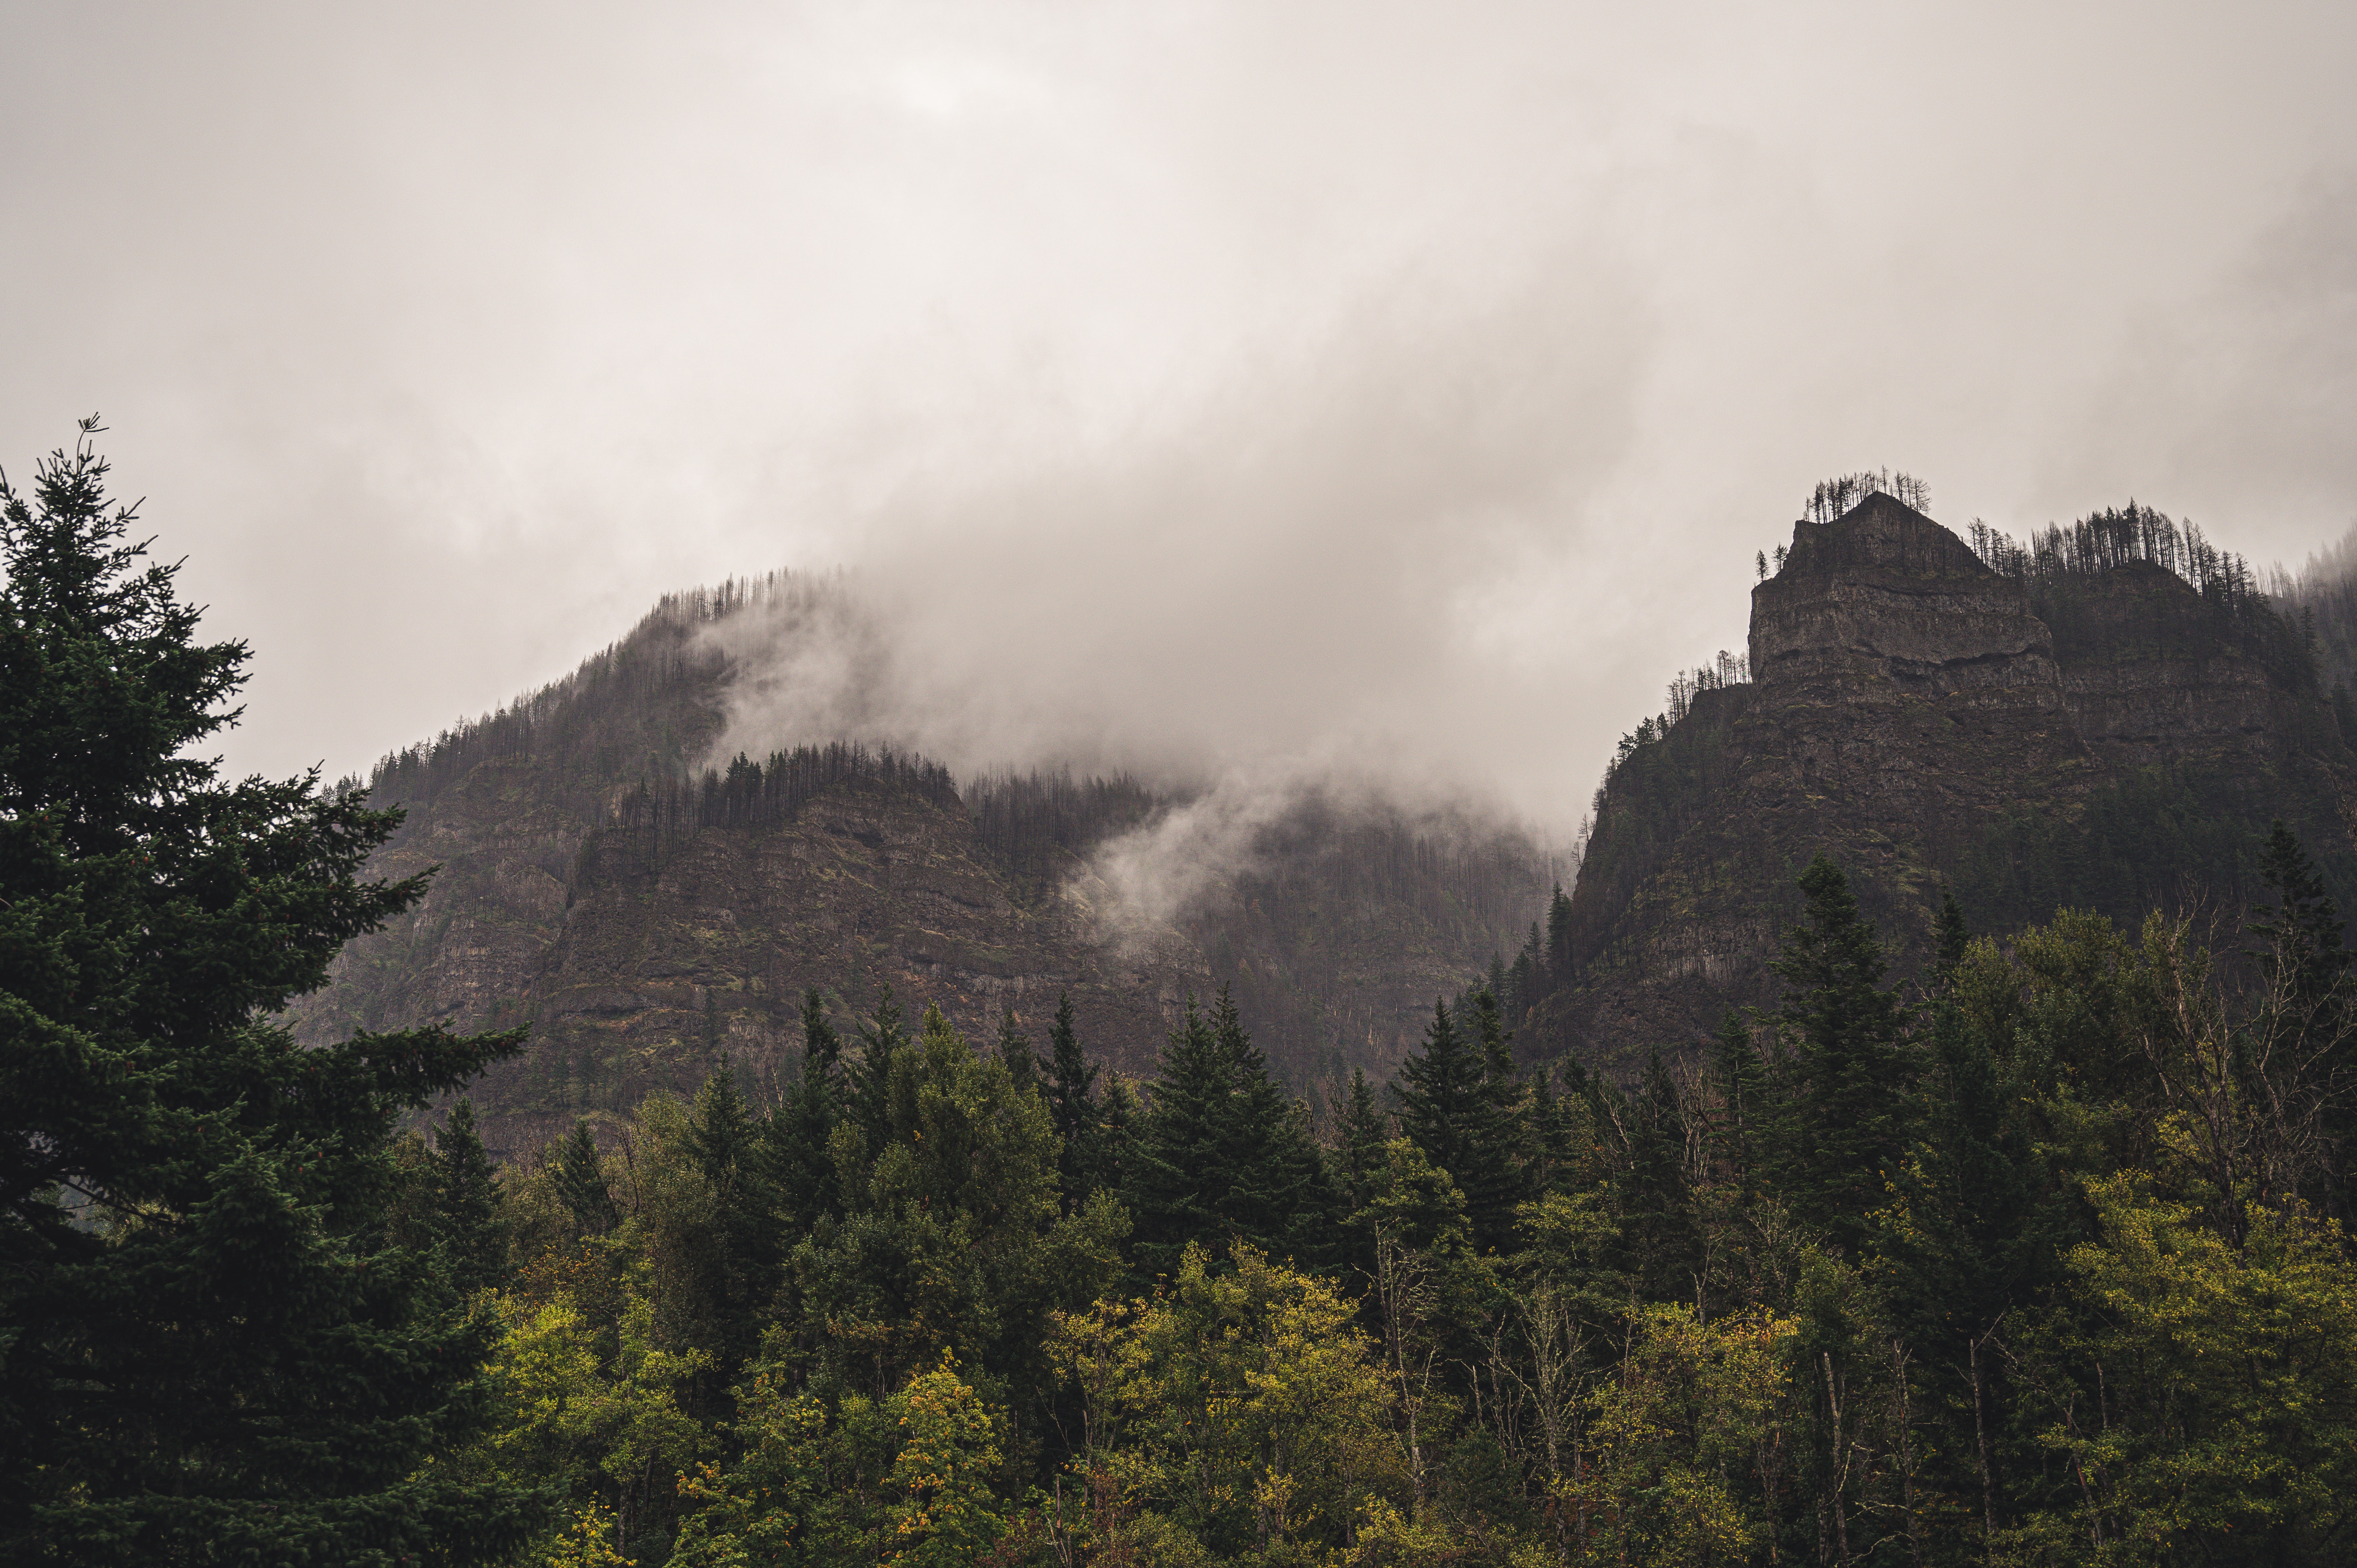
[{"x": 1296, "y": 580}]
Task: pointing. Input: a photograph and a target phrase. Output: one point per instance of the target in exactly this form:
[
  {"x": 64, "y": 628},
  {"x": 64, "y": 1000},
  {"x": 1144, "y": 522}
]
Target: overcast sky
[{"x": 1404, "y": 386}]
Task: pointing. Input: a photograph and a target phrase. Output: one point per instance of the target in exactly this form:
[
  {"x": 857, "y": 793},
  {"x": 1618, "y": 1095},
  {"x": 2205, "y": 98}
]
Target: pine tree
[
  {"x": 1554, "y": 1158},
  {"x": 1953, "y": 935},
  {"x": 1178, "y": 1173},
  {"x": 1276, "y": 1199},
  {"x": 2309, "y": 1015},
  {"x": 2303, "y": 933},
  {"x": 1359, "y": 1141},
  {"x": 1015, "y": 1051},
  {"x": 1116, "y": 1152},
  {"x": 1844, "y": 1114},
  {"x": 867, "y": 1093},
  {"x": 1972, "y": 1230},
  {"x": 1504, "y": 1167},
  {"x": 1450, "y": 1107},
  {"x": 1748, "y": 1108},
  {"x": 580, "y": 1178},
  {"x": 800, "y": 1167},
  {"x": 214, "y": 1355},
  {"x": 742, "y": 1270},
  {"x": 472, "y": 1234},
  {"x": 1558, "y": 937},
  {"x": 1070, "y": 1086},
  {"x": 1657, "y": 1201}
]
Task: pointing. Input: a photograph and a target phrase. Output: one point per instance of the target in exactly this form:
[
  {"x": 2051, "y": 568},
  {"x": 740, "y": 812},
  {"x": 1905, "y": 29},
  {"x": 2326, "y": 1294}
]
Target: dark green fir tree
[
  {"x": 581, "y": 1186},
  {"x": 1277, "y": 1198},
  {"x": 740, "y": 1268},
  {"x": 1747, "y": 1111},
  {"x": 1014, "y": 1052},
  {"x": 867, "y": 1090},
  {"x": 1452, "y": 1108},
  {"x": 1659, "y": 1224},
  {"x": 1844, "y": 1110},
  {"x": 214, "y": 1353},
  {"x": 1178, "y": 1174},
  {"x": 472, "y": 1231},
  {"x": 1072, "y": 1108},
  {"x": 1359, "y": 1134},
  {"x": 797, "y": 1133}
]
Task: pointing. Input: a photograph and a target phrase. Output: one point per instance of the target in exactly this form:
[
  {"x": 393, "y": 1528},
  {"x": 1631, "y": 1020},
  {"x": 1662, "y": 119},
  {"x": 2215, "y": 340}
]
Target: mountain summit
[{"x": 2106, "y": 718}]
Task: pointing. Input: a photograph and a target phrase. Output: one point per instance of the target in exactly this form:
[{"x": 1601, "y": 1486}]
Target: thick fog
[{"x": 1384, "y": 392}]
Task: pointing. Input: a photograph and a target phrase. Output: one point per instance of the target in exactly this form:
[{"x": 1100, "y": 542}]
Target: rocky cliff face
[
  {"x": 638, "y": 957},
  {"x": 635, "y": 976},
  {"x": 1912, "y": 716},
  {"x": 1885, "y": 603}
]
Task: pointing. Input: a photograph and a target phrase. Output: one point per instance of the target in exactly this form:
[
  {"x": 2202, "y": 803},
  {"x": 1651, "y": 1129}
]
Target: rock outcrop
[
  {"x": 1913, "y": 716},
  {"x": 1885, "y": 603}
]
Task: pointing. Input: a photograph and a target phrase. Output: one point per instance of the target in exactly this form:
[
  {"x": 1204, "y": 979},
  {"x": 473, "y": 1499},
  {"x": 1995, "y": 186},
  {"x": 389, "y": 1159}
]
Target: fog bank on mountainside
[{"x": 649, "y": 915}]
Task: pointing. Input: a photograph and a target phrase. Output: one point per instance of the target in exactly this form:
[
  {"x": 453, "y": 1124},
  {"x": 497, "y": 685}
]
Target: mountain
[
  {"x": 645, "y": 914},
  {"x": 2106, "y": 717}
]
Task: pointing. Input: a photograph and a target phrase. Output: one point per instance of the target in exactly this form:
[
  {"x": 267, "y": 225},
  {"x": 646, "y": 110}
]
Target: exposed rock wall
[
  {"x": 1906, "y": 705},
  {"x": 639, "y": 976},
  {"x": 1884, "y": 602}
]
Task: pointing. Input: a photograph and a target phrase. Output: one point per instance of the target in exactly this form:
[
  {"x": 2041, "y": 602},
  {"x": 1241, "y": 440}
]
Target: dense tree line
[
  {"x": 1037, "y": 822},
  {"x": 656, "y": 820},
  {"x": 2038, "y": 1259},
  {"x": 1832, "y": 498},
  {"x": 640, "y": 709},
  {"x": 2059, "y": 565},
  {"x": 2321, "y": 600}
]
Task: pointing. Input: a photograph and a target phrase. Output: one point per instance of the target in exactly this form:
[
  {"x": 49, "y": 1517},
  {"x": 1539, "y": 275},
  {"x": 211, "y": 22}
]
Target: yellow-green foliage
[
  {"x": 908, "y": 1481},
  {"x": 2229, "y": 1376},
  {"x": 1693, "y": 1410},
  {"x": 1243, "y": 1407},
  {"x": 591, "y": 1409}
]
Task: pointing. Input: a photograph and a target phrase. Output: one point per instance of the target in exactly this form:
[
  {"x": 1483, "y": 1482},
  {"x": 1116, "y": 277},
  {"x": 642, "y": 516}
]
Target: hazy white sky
[{"x": 1402, "y": 386}]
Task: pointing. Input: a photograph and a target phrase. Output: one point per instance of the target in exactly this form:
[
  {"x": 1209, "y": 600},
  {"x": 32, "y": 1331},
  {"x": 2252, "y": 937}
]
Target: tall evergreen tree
[
  {"x": 800, "y": 1168},
  {"x": 1449, "y": 1106},
  {"x": 1657, "y": 1201},
  {"x": 1072, "y": 1108},
  {"x": 580, "y": 1178},
  {"x": 1844, "y": 1117},
  {"x": 1553, "y": 1157},
  {"x": 741, "y": 1270},
  {"x": 2309, "y": 1015},
  {"x": 2301, "y": 934},
  {"x": 1954, "y": 936},
  {"x": 1504, "y": 1171},
  {"x": 1014, "y": 1052},
  {"x": 212, "y": 1353},
  {"x": 1359, "y": 1138},
  {"x": 1972, "y": 1230},
  {"x": 1276, "y": 1199},
  {"x": 1747, "y": 1101},
  {"x": 1116, "y": 1151},
  {"x": 1558, "y": 937},
  {"x": 867, "y": 1088},
  {"x": 1178, "y": 1173},
  {"x": 473, "y": 1235}
]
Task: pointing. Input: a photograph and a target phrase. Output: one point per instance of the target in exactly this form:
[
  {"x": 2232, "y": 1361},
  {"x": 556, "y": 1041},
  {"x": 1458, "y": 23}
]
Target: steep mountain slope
[
  {"x": 2076, "y": 724},
  {"x": 644, "y": 918}
]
